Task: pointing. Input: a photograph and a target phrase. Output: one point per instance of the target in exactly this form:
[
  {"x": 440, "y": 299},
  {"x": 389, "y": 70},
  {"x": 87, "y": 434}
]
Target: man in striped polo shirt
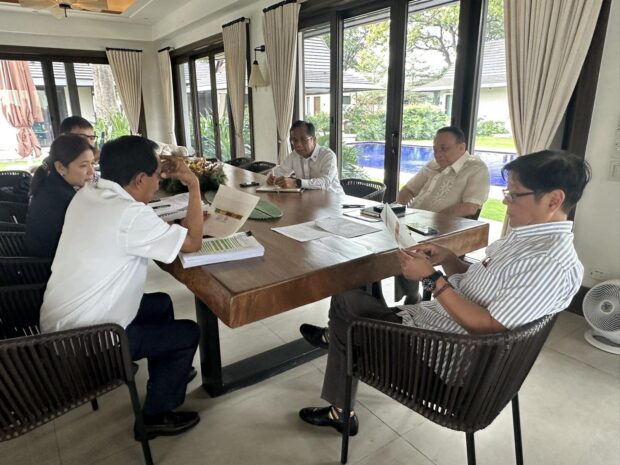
[{"x": 532, "y": 272}]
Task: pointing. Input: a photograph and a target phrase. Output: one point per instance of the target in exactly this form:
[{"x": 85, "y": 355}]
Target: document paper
[
  {"x": 173, "y": 207},
  {"x": 229, "y": 211},
  {"x": 399, "y": 232}
]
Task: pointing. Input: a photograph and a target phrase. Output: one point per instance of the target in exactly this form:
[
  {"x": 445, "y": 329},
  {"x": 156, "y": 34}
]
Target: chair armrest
[{"x": 443, "y": 374}]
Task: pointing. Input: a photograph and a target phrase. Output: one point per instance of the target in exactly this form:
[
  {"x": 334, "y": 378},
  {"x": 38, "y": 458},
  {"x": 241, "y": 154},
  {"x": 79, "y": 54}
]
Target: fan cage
[{"x": 601, "y": 307}]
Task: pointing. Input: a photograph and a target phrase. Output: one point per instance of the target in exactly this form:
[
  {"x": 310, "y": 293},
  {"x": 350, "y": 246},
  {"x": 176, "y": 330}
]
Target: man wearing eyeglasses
[
  {"x": 532, "y": 272},
  {"x": 309, "y": 166},
  {"x": 82, "y": 127}
]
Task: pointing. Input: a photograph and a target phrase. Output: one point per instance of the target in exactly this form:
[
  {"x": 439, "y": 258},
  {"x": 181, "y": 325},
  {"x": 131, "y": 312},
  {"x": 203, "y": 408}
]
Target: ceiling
[{"x": 140, "y": 11}]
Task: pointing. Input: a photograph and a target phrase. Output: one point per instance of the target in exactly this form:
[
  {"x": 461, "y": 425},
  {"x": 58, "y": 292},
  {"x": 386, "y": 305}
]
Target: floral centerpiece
[{"x": 209, "y": 174}]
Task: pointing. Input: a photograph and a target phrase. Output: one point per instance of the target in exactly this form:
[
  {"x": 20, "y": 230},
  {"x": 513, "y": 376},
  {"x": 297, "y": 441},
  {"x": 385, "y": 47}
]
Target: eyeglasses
[
  {"x": 303, "y": 140},
  {"x": 513, "y": 196}
]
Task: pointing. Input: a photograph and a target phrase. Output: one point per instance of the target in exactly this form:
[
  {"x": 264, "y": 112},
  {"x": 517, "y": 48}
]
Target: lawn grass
[
  {"x": 19, "y": 164},
  {"x": 493, "y": 209}
]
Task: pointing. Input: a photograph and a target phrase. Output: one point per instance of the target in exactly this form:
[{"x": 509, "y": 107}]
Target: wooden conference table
[{"x": 292, "y": 274}]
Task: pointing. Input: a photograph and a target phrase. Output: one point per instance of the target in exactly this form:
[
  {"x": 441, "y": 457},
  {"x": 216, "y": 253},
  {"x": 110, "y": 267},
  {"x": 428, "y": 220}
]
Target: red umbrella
[{"x": 20, "y": 104}]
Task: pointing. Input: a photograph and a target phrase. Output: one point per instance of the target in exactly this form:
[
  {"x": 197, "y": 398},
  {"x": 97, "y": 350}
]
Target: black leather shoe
[
  {"x": 192, "y": 374},
  {"x": 314, "y": 335},
  {"x": 167, "y": 424},
  {"x": 319, "y": 416}
]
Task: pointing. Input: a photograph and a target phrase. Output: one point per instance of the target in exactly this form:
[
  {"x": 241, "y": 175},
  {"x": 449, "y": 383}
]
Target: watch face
[{"x": 430, "y": 282}]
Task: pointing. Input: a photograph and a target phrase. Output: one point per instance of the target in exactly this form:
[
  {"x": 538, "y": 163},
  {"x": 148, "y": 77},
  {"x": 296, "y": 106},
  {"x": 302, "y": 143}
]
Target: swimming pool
[{"x": 414, "y": 157}]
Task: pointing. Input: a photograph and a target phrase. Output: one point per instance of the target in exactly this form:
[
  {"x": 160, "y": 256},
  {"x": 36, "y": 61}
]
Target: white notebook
[{"x": 239, "y": 246}]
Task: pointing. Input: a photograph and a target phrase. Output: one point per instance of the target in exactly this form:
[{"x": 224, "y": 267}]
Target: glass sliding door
[
  {"x": 365, "y": 64},
  {"x": 493, "y": 137},
  {"x": 316, "y": 89},
  {"x": 432, "y": 35},
  {"x": 184, "y": 98}
]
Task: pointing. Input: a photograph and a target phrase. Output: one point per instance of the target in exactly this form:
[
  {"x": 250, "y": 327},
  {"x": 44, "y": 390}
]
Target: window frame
[
  {"x": 206, "y": 48},
  {"x": 47, "y": 57}
]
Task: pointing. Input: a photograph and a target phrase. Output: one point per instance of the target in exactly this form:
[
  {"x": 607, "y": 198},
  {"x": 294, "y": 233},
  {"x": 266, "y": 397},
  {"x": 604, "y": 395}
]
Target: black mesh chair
[
  {"x": 240, "y": 161},
  {"x": 14, "y": 185},
  {"x": 6, "y": 226},
  {"x": 259, "y": 166},
  {"x": 364, "y": 189},
  {"x": 458, "y": 381},
  {"x": 44, "y": 376},
  {"x": 12, "y": 244},
  {"x": 24, "y": 270},
  {"x": 13, "y": 212}
]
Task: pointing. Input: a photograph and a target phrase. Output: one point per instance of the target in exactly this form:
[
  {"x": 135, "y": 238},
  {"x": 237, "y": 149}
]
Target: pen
[
  {"x": 160, "y": 206},
  {"x": 349, "y": 205}
]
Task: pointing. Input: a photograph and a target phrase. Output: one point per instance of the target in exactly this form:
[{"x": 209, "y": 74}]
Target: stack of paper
[
  {"x": 174, "y": 207},
  {"x": 225, "y": 249}
]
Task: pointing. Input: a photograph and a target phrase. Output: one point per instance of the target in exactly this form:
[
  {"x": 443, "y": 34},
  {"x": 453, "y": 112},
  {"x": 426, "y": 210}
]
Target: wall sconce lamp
[{"x": 256, "y": 77}]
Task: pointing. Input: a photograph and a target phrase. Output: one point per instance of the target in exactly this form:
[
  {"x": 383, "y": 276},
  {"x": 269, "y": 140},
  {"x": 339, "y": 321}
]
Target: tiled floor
[{"x": 570, "y": 409}]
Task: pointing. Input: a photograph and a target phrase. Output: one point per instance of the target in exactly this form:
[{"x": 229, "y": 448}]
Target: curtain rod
[
  {"x": 236, "y": 21},
  {"x": 278, "y": 5},
  {"x": 123, "y": 49},
  {"x": 165, "y": 48}
]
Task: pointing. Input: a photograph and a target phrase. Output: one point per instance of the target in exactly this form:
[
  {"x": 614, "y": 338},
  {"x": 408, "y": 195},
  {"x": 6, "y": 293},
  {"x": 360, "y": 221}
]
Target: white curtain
[
  {"x": 127, "y": 71},
  {"x": 235, "y": 50},
  {"x": 165, "y": 74},
  {"x": 280, "y": 31},
  {"x": 546, "y": 45}
]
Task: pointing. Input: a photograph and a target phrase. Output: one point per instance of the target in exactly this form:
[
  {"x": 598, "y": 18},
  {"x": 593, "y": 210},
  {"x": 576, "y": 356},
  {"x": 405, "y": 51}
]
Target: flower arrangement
[{"x": 209, "y": 174}]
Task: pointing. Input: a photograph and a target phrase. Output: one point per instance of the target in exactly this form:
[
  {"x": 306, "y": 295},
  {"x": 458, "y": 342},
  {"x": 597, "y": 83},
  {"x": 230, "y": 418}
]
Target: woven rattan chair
[
  {"x": 14, "y": 185},
  {"x": 5, "y": 226},
  {"x": 363, "y": 188},
  {"x": 240, "y": 161},
  {"x": 12, "y": 244},
  {"x": 13, "y": 212},
  {"x": 259, "y": 166},
  {"x": 461, "y": 382},
  {"x": 24, "y": 270},
  {"x": 44, "y": 376}
]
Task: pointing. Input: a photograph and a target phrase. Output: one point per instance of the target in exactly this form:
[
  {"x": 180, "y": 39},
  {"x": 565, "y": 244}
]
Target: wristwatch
[
  {"x": 298, "y": 182},
  {"x": 430, "y": 282}
]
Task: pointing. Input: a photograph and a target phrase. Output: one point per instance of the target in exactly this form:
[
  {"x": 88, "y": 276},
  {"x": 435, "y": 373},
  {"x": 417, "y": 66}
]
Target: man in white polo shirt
[
  {"x": 532, "y": 272},
  {"x": 99, "y": 271},
  {"x": 309, "y": 165}
]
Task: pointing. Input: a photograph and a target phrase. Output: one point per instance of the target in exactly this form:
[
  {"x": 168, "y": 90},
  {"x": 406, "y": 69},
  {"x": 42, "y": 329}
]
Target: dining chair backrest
[
  {"x": 49, "y": 374},
  {"x": 13, "y": 212},
  {"x": 13, "y": 244},
  {"x": 458, "y": 381},
  {"x": 363, "y": 188}
]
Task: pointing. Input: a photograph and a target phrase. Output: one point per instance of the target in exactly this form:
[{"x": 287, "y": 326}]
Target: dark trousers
[
  {"x": 344, "y": 308},
  {"x": 169, "y": 346}
]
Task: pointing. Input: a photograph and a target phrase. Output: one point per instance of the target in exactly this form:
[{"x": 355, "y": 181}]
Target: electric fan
[
  {"x": 601, "y": 308},
  {"x": 58, "y": 8}
]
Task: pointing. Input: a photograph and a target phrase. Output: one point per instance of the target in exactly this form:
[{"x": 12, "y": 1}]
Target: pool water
[{"x": 414, "y": 157}]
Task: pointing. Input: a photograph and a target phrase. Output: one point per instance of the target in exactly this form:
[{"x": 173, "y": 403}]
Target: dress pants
[
  {"x": 169, "y": 346},
  {"x": 344, "y": 308}
]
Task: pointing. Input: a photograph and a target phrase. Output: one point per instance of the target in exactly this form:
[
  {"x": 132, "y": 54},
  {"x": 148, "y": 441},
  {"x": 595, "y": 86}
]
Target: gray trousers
[{"x": 344, "y": 308}]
